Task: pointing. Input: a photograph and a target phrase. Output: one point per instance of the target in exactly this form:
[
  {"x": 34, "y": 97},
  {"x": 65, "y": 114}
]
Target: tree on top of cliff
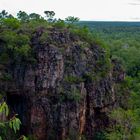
[
  {"x": 23, "y": 16},
  {"x": 5, "y": 14},
  {"x": 72, "y": 19},
  {"x": 35, "y": 16},
  {"x": 49, "y": 15}
]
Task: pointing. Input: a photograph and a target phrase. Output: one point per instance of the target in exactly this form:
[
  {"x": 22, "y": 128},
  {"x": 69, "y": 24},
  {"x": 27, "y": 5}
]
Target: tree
[
  {"x": 49, "y": 15},
  {"x": 35, "y": 16},
  {"x": 23, "y": 16},
  {"x": 72, "y": 19},
  {"x": 3, "y": 14}
]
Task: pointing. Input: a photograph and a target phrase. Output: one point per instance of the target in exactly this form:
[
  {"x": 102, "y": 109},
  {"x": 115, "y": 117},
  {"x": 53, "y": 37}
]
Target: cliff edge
[{"x": 65, "y": 90}]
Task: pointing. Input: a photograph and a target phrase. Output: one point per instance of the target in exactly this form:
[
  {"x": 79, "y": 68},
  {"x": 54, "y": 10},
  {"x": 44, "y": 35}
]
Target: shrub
[
  {"x": 60, "y": 24},
  {"x": 10, "y": 23},
  {"x": 73, "y": 79},
  {"x": 6, "y": 77}
]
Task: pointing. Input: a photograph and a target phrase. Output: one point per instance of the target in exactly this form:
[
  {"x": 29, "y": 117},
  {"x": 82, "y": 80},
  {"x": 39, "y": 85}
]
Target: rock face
[{"x": 67, "y": 92}]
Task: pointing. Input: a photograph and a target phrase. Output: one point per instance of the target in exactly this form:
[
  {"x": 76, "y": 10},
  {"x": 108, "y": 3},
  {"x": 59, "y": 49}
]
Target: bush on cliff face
[{"x": 5, "y": 124}]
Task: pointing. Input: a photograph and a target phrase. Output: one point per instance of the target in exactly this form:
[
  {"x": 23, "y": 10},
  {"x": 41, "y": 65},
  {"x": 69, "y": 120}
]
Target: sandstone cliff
[{"x": 67, "y": 91}]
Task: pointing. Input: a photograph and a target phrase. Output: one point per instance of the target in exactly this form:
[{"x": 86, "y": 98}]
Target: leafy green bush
[
  {"x": 126, "y": 125},
  {"x": 74, "y": 95},
  {"x": 83, "y": 33},
  {"x": 4, "y": 58},
  {"x": 73, "y": 79},
  {"x": 10, "y": 23},
  {"x": 14, "y": 123},
  {"x": 71, "y": 94},
  {"x": 6, "y": 77},
  {"x": 71, "y": 19},
  {"x": 60, "y": 24},
  {"x": 24, "y": 50},
  {"x": 43, "y": 38}
]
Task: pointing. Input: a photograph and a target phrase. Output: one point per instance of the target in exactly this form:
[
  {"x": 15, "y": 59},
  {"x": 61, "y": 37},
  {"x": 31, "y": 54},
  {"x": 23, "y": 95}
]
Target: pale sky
[{"x": 114, "y": 10}]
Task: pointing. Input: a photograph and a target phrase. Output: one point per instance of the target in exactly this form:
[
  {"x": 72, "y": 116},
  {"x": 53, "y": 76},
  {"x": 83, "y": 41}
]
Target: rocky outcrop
[{"x": 68, "y": 90}]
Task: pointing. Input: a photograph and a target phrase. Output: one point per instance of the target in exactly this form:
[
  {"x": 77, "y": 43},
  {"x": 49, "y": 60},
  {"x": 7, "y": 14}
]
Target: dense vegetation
[{"x": 123, "y": 41}]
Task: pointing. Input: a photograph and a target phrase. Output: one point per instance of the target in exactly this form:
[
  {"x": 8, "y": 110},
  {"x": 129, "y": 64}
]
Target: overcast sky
[{"x": 116, "y": 10}]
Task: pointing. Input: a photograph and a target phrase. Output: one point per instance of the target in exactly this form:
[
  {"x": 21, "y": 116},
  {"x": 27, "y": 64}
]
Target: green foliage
[
  {"x": 126, "y": 125},
  {"x": 74, "y": 95},
  {"x": 23, "y": 16},
  {"x": 73, "y": 79},
  {"x": 60, "y": 24},
  {"x": 4, "y": 124},
  {"x": 23, "y": 39},
  {"x": 14, "y": 123},
  {"x": 23, "y": 138},
  {"x": 6, "y": 77},
  {"x": 89, "y": 77},
  {"x": 3, "y": 14},
  {"x": 43, "y": 38},
  {"x": 71, "y": 19},
  {"x": 4, "y": 58},
  {"x": 10, "y": 23},
  {"x": 100, "y": 136},
  {"x": 49, "y": 15},
  {"x": 9, "y": 37},
  {"x": 32, "y": 26},
  {"x": 23, "y": 50},
  {"x": 4, "y": 108},
  {"x": 84, "y": 33},
  {"x": 34, "y": 16},
  {"x": 14, "y": 43}
]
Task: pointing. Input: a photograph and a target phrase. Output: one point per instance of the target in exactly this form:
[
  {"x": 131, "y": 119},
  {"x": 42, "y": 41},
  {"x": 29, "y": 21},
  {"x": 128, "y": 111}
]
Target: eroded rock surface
[{"x": 67, "y": 92}]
